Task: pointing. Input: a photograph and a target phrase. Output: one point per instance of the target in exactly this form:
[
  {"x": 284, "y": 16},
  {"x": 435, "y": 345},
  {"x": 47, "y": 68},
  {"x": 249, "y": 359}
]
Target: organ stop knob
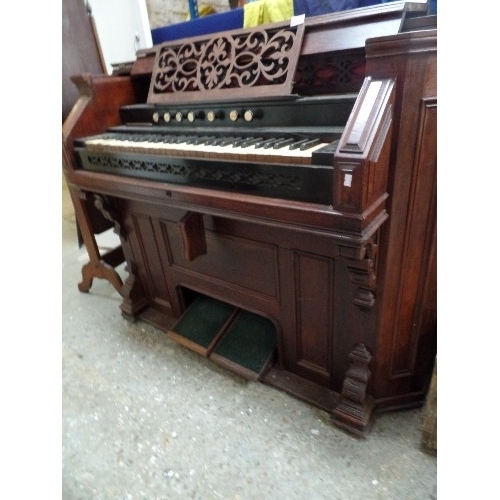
[{"x": 214, "y": 115}]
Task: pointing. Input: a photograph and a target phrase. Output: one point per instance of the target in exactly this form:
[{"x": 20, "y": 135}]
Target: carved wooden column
[
  {"x": 354, "y": 409},
  {"x": 355, "y": 406}
]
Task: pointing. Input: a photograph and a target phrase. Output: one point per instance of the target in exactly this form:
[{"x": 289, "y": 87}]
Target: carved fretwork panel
[
  {"x": 235, "y": 64},
  {"x": 230, "y": 176},
  {"x": 327, "y": 74},
  {"x": 291, "y": 182}
]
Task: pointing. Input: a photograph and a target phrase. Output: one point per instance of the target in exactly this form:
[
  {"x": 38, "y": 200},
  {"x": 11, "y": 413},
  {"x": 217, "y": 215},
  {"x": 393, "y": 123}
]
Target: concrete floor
[{"x": 144, "y": 419}]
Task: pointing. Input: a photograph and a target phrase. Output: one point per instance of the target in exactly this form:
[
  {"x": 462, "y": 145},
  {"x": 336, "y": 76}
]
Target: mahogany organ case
[{"x": 278, "y": 186}]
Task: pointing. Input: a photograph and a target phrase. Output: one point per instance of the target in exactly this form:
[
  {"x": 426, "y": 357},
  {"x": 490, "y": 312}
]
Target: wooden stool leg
[
  {"x": 96, "y": 267},
  {"x": 102, "y": 270}
]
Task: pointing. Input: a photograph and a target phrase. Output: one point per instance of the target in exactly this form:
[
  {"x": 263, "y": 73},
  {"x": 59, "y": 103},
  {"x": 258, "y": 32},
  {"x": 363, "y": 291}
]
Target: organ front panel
[{"x": 262, "y": 189}]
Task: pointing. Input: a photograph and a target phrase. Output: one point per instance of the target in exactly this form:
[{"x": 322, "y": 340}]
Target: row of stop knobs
[{"x": 211, "y": 116}]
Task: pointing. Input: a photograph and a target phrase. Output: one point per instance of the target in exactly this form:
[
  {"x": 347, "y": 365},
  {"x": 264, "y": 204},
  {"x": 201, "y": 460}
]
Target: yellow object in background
[
  {"x": 266, "y": 11},
  {"x": 203, "y": 10}
]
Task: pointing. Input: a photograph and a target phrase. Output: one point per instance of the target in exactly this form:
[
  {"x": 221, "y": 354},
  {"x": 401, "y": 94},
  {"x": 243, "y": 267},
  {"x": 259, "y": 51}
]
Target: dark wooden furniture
[
  {"x": 80, "y": 49},
  {"x": 346, "y": 277}
]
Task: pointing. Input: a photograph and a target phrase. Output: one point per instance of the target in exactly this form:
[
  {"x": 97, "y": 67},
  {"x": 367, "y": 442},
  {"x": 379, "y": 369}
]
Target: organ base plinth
[{"x": 353, "y": 417}]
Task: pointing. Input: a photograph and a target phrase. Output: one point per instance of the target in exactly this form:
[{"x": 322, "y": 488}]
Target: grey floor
[{"x": 143, "y": 418}]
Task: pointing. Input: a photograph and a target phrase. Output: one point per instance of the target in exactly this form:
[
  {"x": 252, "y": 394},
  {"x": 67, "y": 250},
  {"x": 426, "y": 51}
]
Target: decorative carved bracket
[
  {"x": 133, "y": 296},
  {"x": 354, "y": 409},
  {"x": 104, "y": 206},
  {"x": 362, "y": 274},
  {"x": 131, "y": 291}
]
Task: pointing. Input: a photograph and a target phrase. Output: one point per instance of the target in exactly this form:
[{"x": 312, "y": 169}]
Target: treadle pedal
[
  {"x": 247, "y": 347},
  {"x": 202, "y": 324}
]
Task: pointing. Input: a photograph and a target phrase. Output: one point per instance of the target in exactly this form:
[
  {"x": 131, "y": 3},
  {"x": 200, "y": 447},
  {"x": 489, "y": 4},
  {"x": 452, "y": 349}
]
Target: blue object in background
[
  {"x": 193, "y": 9},
  {"x": 234, "y": 19},
  {"x": 318, "y": 7},
  {"x": 230, "y": 20}
]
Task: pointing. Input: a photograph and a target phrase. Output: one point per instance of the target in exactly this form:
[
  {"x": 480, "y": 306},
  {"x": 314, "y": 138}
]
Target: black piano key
[
  {"x": 154, "y": 138},
  {"x": 212, "y": 141},
  {"x": 157, "y": 138},
  {"x": 304, "y": 144},
  {"x": 180, "y": 139},
  {"x": 271, "y": 142},
  {"x": 204, "y": 139},
  {"x": 309, "y": 144},
  {"x": 282, "y": 143},
  {"x": 237, "y": 141},
  {"x": 251, "y": 141},
  {"x": 168, "y": 139},
  {"x": 226, "y": 141},
  {"x": 264, "y": 141},
  {"x": 196, "y": 139},
  {"x": 297, "y": 144}
]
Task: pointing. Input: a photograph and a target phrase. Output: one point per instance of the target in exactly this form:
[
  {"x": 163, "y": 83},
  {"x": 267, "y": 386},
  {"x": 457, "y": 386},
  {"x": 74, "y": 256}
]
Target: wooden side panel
[
  {"x": 418, "y": 247},
  {"x": 96, "y": 109},
  {"x": 313, "y": 306},
  {"x": 406, "y": 329},
  {"x": 98, "y": 106},
  {"x": 80, "y": 50},
  {"x": 147, "y": 261}
]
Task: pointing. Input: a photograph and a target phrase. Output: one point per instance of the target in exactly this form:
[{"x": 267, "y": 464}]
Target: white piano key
[{"x": 229, "y": 152}]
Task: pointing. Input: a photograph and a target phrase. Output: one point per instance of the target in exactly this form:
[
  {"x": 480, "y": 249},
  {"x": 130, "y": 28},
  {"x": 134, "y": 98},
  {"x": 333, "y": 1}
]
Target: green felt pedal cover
[
  {"x": 248, "y": 345},
  {"x": 201, "y": 325}
]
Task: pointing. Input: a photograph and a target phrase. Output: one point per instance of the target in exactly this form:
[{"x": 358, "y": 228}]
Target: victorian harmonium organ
[{"x": 274, "y": 193}]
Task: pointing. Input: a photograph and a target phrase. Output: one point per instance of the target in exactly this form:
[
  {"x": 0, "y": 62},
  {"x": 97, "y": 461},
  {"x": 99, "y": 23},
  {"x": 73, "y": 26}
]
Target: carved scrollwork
[
  {"x": 362, "y": 274},
  {"x": 131, "y": 290},
  {"x": 233, "y": 61},
  {"x": 104, "y": 206}
]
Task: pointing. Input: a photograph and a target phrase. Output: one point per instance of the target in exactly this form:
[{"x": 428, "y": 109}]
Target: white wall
[
  {"x": 119, "y": 21},
  {"x": 122, "y": 28}
]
